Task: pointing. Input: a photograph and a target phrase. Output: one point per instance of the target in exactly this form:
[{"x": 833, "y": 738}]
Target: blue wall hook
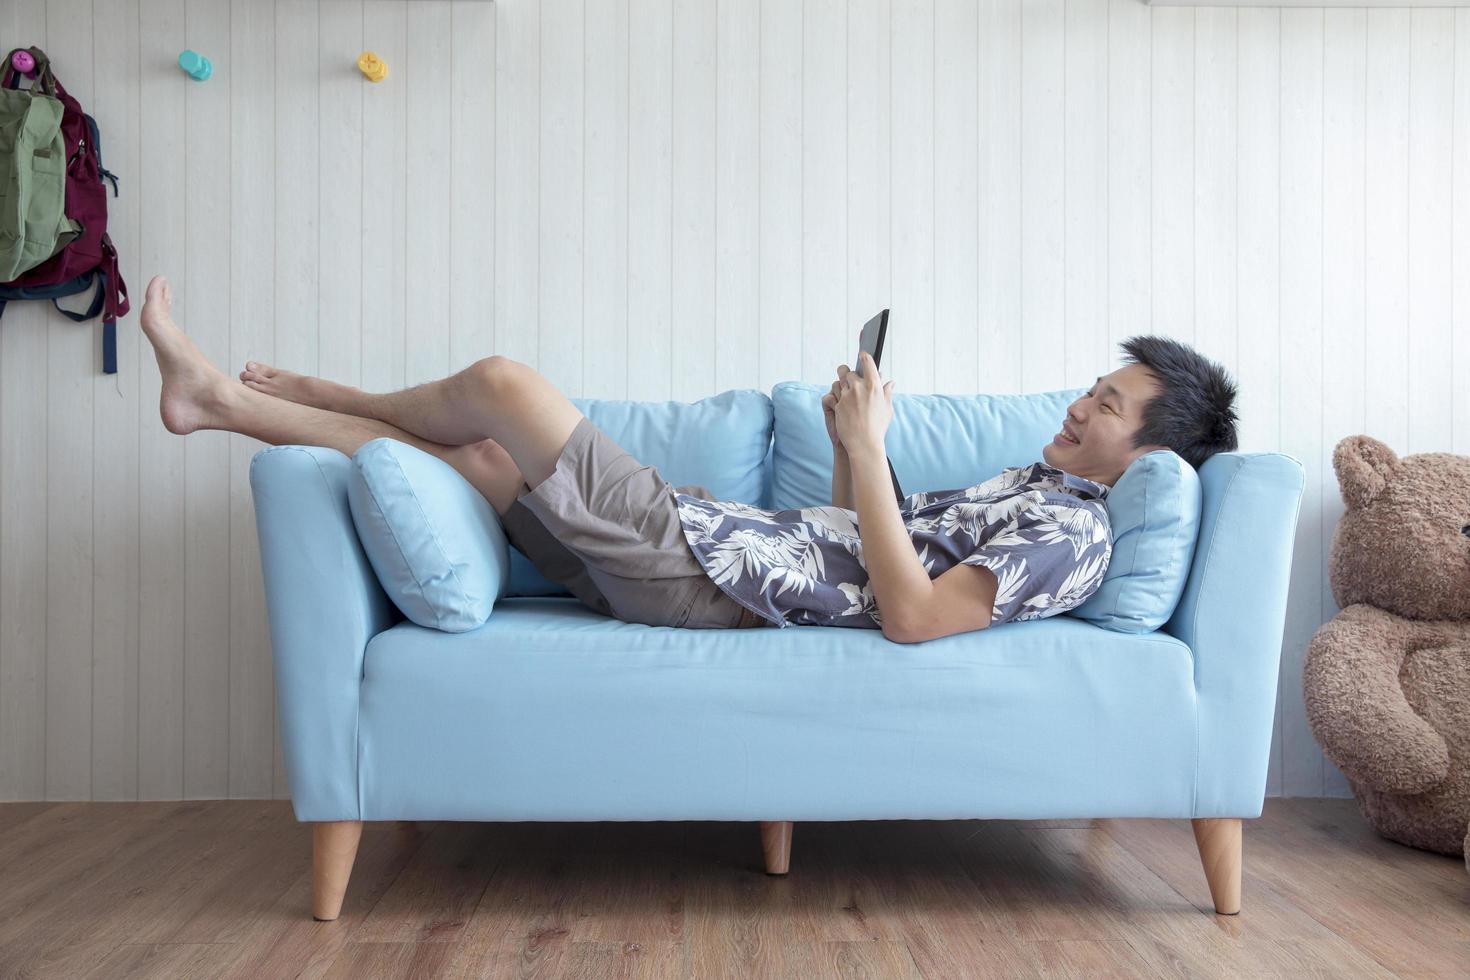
[{"x": 196, "y": 65}]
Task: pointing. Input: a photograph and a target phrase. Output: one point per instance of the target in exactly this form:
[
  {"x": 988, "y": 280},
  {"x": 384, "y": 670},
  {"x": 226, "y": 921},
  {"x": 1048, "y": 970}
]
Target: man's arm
[
  {"x": 842, "y": 478},
  {"x": 841, "y": 464},
  {"x": 913, "y": 607}
]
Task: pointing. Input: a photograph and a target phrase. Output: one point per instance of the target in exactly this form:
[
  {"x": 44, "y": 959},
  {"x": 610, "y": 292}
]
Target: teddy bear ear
[{"x": 1364, "y": 466}]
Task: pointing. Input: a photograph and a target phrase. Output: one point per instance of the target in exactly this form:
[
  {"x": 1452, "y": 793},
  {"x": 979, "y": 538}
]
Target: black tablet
[{"x": 874, "y": 332}]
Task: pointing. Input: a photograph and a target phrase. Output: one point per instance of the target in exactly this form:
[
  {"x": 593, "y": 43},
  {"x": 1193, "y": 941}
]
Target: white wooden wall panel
[
  {"x": 425, "y": 80},
  {"x": 650, "y": 189},
  {"x": 1171, "y": 139},
  {"x": 1129, "y": 171},
  {"x": 559, "y": 298},
  {"x": 385, "y": 199},
  {"x": 781, "y": 214},
  {"x": 1387, "y": 224},
  {"x": 1084, "y": 142},
  {"x": 913, "y": 101},
  {"x": 605, "y": 286},
  {"x": 1215, "y": 147},
  {"x": 692, "y": 294},
  {"x": 869, "y": 214},
  {"x": 667, "y": 198},
  {"x": 825, "y": 73},
  {"x": 956, "y": 161},
  {"x": 1043, "y": 122},
  {"x": 999, "y": 272},
  {"x": 340, "y": 201},
  {"x": 1431, "y": 93},
  {"x": 737, "y": 198}
]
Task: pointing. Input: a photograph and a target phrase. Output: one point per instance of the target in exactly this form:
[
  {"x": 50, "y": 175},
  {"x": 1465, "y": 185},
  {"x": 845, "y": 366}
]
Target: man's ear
[{"x": 1364, "y": 466}]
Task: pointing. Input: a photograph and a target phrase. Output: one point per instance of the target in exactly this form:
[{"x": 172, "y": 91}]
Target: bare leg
[
  {"x": 495, "y": 398},
  {"x": 196, "y": 395},
  {"x": 493, "y": 466},
  {"x": 305, "y": 389}
]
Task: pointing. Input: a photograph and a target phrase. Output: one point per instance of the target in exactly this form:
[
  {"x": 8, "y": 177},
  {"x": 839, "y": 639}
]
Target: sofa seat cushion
[
  {"x": 551, "y": 711},
  {"x": 720, "y": 443},
  {"x": 434, "y": 541},
  {"x": 1154, "y": 518}
]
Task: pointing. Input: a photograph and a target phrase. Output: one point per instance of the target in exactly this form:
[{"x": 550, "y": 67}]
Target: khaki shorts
[{"x": 606, "y": 527}]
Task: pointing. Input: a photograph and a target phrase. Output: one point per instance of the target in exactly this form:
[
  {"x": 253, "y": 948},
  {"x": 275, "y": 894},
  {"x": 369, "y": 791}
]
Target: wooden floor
[{"x": 223, "y": 889}]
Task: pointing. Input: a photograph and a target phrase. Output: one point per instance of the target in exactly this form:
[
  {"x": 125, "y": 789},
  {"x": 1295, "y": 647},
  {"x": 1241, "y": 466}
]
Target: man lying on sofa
[{"x": 1029, "y": 542}]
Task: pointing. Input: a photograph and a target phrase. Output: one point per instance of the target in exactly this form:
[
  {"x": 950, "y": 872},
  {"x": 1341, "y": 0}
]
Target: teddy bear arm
[{"x": 1357, "y": 709}]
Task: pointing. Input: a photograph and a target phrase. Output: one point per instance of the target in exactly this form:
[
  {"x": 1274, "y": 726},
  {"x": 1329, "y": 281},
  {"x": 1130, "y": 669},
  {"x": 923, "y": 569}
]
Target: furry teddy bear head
[{"x": 1404, "y": 543}]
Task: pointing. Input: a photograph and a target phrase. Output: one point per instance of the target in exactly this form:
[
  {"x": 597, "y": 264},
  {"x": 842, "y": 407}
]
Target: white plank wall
[{"x": 661, "y": 199}]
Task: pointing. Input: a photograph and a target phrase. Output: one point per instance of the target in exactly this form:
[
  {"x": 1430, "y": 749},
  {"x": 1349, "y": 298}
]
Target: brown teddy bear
[{"x": 1387, "y": 681}]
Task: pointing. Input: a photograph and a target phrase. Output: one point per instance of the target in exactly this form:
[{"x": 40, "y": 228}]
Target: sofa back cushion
[
  {"x": 935, "y": 442},
  {"x": 1154, "y": 517},
  {"x": 720, "y": 442},
  {"x": 433, "y": 540}
]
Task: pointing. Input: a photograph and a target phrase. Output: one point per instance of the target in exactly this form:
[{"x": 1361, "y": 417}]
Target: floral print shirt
[{"x": 1042, "y": 531}]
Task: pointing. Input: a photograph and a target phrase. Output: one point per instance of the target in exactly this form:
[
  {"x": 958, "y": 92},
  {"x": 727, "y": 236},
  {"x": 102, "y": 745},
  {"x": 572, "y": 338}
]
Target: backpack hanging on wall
[{"x": 88, "y": 261}]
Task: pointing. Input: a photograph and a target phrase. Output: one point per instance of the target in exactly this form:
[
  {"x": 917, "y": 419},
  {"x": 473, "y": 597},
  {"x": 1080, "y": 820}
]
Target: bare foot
[
  {"x": 194, "y": 391},
  {"x": 302, "y": 389}
]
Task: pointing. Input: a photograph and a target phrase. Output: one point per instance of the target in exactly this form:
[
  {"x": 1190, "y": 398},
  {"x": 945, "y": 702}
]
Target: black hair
[{"x": 1192, "y": 411}]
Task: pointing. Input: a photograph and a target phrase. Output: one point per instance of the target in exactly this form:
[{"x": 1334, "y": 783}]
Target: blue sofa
[{"x": 551, "y": 711}]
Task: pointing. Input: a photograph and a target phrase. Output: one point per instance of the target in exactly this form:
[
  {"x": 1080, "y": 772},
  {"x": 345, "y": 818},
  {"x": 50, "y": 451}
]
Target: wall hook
[
  {"x": 373, "y": 68},
  {"x": 196, "y": 65}
]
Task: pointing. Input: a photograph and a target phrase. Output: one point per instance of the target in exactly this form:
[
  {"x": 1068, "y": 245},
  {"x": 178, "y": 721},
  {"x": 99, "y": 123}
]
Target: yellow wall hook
[{"x": 373, "y": 68}]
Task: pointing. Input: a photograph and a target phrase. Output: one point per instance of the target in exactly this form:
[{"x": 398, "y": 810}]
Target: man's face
[{"x": 1096, "y": 438}]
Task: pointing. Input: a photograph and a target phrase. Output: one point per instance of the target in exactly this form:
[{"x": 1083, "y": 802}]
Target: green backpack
[{"x": 33, "y": 221}]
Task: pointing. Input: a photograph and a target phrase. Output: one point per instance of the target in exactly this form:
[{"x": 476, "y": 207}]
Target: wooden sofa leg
[
  {"x": 1218, "y": 839},
  {"x": 776, "y": 843},
  {"x": 334, "y": 848}
]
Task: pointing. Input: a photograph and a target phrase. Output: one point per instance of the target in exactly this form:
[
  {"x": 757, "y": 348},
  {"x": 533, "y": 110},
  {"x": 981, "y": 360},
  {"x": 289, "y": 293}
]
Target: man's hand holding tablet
[{"x": 870, "y": 341}]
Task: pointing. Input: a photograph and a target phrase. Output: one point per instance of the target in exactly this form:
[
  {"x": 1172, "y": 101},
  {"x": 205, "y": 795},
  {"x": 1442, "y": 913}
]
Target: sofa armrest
[
  {"x": 325, "y": 603},
  {"x": 1233, "y": 617}
]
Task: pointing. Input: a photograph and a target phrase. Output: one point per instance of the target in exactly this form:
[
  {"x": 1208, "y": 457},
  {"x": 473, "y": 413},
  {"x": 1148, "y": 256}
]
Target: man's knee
[
  {"x": 489, "y": 469},
  {"x": 496, "y": 372},
  {"x": 486, "y": 453}
]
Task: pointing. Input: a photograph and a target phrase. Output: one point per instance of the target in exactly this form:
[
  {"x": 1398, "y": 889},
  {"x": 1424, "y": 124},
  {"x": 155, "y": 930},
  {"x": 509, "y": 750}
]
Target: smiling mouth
[{"x": 1066, "y": 439}]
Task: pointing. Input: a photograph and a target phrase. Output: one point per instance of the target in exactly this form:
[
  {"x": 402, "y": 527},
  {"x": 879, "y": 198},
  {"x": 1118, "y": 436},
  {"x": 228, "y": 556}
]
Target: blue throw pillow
[
  {"x": 434, "y": 540},
  {"x": 1154, "y": 513}
]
